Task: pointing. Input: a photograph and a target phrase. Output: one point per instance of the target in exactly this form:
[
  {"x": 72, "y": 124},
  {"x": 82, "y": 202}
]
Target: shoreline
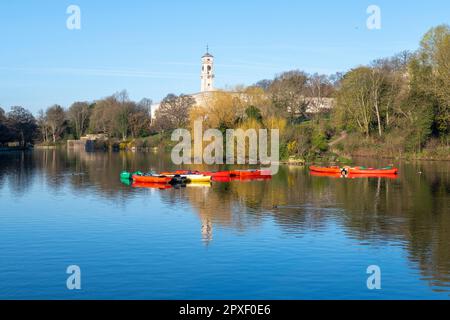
[
  {"x": 13, "y": 149},
  {"x": 293, "y": 162}
]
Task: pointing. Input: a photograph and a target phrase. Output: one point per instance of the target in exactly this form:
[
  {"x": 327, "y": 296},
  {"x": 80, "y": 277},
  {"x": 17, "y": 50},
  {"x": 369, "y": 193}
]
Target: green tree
[
  {"x": 430, "y": 72},
  {"x": 253, "y": 112},
  {"x": 22, "y": 125},
  {"x": 4, "y": 130},
  {"x": 354, "y": 107}
]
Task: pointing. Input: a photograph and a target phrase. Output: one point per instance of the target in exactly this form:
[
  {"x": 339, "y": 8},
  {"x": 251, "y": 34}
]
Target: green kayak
[
  {"x": 126, "y": 182},
  {"x": 124, "y": 175}
]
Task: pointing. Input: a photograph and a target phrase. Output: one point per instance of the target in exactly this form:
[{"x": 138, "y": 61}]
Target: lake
[{"x": 295, "y": 236}]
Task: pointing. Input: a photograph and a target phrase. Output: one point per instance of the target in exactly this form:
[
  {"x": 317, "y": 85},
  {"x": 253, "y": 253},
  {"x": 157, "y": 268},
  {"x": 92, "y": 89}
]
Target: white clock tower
[{"x": 207, "y": 75}]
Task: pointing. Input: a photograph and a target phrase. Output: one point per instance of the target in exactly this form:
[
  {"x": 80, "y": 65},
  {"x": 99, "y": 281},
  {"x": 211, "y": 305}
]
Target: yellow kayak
[
  {"x": 199, "y": 185},
  {"x": 192, "y": 177},
  {"x": 197, "y": 178}
]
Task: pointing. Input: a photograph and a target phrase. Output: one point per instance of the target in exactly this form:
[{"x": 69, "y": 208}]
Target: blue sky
[{"x": 152, "y": 48}]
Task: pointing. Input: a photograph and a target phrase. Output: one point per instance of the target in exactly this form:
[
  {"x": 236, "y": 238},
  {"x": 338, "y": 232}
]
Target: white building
[{"x": 207, "y": 77}]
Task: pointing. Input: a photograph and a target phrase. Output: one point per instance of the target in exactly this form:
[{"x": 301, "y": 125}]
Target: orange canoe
[
  {"x": 151, "y": 179},
  {"x": 354, "y": 176},
  {"x": 354, "y": 170},
  {"x": 325, "y": 169},
  {"x": 217, "y": 174},
  {"x": 246, "y": 173},
  {"x": 373, "y": 171}
]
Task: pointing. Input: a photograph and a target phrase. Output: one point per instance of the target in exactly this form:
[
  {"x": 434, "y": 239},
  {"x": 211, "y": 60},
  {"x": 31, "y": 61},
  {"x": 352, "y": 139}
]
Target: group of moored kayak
[
  {"x": 185, "y": 177},
  {"x": 182, "y": 177}
]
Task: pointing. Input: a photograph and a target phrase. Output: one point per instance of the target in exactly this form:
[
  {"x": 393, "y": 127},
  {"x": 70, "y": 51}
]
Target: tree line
[
  {"x": 400, "y": 103},
  {"x": 117, "y": 116},
  {"x": 404, "y": 99},
  {"x": 18, "y": 125},
  {"x": 288, "y": 96}
]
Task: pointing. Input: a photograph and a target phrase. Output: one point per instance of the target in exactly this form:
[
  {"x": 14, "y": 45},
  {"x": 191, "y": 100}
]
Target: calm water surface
[{"x": 294, "y": 237}]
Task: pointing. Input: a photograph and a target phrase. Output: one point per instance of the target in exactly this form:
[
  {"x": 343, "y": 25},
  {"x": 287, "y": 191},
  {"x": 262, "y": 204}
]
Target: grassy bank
[{"x": 394, "y": 146}]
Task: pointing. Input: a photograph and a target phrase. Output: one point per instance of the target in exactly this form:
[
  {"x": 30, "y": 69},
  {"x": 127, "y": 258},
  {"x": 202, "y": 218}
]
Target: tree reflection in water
[{"x": 412, "y": 211}]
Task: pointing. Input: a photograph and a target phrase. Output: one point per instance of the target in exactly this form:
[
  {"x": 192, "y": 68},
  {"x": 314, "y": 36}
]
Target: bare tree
[
  {"x": 101, "y": 120},
  {"x": 139, "y": 117},
  {"x": 264, "y": 84},
  {"x": 354, "y": 100},
  {"x": 139, "y": 121},
  {"x": 122, "y": 111},
  {"x": 290, "y": 93},
  {"x": 43, "y": 126},
  {"x": 146, "y": 104},
  {"x": 173, "y": 112},
  {"x": 320, "y": 86},
  {"x": 56, "y": 121},
  {"x": 78, "y": 115}
]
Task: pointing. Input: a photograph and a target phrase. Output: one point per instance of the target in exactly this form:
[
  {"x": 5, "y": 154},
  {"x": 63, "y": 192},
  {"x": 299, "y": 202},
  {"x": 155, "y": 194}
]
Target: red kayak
[
  {"x": 246, "y": 173},
  {"x": 354, "y": 176},
  {"x": 242, "y": 179},
  {"x": 151, "y": 179},
  {"x": 325, "y": 169},
  {"x": 368, "y": 171},
  {"x": 354, "y": 170},
  {"x": 217, "y": 174},
  {"x": 200, "y": 173},
  {"x": 142, "y": 185},
  {"x": 222, "y": 174}
]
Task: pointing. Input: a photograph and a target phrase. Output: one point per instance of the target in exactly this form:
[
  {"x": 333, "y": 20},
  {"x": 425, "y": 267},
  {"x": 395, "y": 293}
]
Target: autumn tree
[
  {"x": 254, "y": 113},
  {"x": 256, "y": 96}
]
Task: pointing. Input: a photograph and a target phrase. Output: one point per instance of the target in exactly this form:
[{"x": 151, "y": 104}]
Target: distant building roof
[{"x": 208, "y": 55}]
